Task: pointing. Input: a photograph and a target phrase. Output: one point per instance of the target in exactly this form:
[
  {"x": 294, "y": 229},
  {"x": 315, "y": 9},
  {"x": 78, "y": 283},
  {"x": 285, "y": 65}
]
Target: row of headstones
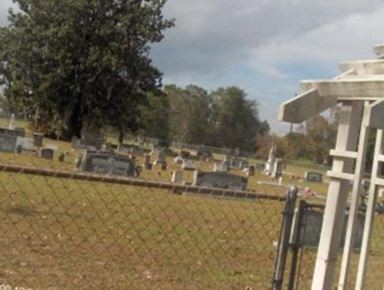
[
  {"x": 223, "y": 180},
  {"x": 12, "y": 141}
]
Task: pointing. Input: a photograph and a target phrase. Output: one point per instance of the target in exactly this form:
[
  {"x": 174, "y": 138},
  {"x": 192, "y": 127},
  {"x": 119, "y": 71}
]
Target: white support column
[
  {"x": 355, "y": 202},
  {"x": 369, "y": 215},
  {"x": 350, "y": 118}
]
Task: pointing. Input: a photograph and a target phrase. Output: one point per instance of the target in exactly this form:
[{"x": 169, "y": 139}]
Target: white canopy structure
[{"x": 359, "y": 90}]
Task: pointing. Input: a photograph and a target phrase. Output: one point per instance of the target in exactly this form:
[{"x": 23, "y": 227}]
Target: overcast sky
[{"x": 263, "y": 46}]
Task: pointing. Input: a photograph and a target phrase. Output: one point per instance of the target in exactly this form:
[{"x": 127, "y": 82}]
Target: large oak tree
[{"x": 78, "y": 62}]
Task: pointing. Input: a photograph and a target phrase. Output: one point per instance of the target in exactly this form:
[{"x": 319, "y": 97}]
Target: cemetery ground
[{"x": 71, "y": 234}]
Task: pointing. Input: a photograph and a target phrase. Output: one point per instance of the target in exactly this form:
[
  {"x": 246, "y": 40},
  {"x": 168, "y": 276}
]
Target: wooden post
[
  {"x": 350, "y": 118},
  {"x": 355, "y": 203},
  {"x": 369, "y": 215}
]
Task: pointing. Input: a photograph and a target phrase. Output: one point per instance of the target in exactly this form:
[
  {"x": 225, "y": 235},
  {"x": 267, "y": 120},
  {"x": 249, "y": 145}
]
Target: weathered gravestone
[
  {"x": 204, "y": 154},
  {"x": 107, "y": 163},
  {"x": 251, "y": 170},
  {"x": 188, "y": 165},
  {"x": 11, "y": 123},
  {"x": 313, "y": 176},
  {"x": 237, "y": 163},
  {"x": 177, "y": 177},
  {"x": 220, "y": 166},
  {"x": 26, "y": 144},
  {"x": 8, "y": 143},
  {"x": 12, "y": 132},
  {"x": 131, "y": 149},
  {"x": 277, "y": 168},
  {"x": 159, "y": 156},
  {"x": 20, "y": 131},
  {"x": 38, "y": 139},
  {"x": 269, "y": 165},
  {"x": 147, "y": 162},
  {"x": 75, "y": 142},
  {"x": 219, "y": 180},
  {"x": 61, "y": 157},
  {"x": 91, "y": 138},
  {"x": 310, "y": 229},
  {"x": 47, "y": 153}
]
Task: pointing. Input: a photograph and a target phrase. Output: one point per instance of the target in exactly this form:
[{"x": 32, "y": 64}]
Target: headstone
[
  {"x": 204, "y": 154},
  {"x": 91, "y": 138},
  {"x": 251, "y": 170},
  {"x": 221, "y": 166},
  {"x": 147, "y": 162},
  {"x": 75, "y": 142},
  {"x": 185, "y": 154},
  {"x": 47, "y": 153},
  {"x": 38, "y": 139},
  {"x": 237, "y": 163},
  {"x": 26, "y": 144},
  {"x": 312, "y": 176},
  {"x": 130, "y": 149},
  {"x": 177, "y": 177},
  {"x": 61, "y": 157},
  {"x": 159, "y": 156},
  {"x": 269, "y": 165},
  {"x": 219, "y": 180},
  {"x": 260, "y": 166},
  {"x": 310, "y": 229},
  {"x": 188, "y": 165},
  {"x": 8, "y": 143},
  {"x": 107, "y": 163},
  {"x": 19, "y": 149},
  {"x": 20, "y": 131},
  {"x": 15, "y": 132},
  {"x": 11, "y": 124},
  {"x": 277, "y": 168}
]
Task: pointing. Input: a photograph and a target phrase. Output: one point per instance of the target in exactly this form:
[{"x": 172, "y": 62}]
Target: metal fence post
[
  {"x": 283, "y": 245},
  {"x": 295, "y": 243}
]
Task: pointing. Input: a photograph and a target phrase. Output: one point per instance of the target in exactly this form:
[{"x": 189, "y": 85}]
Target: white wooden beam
[
  {"x": 363, "y": 87},
  {"x": 375, "y": 116},
  {"x": 304, "y": 106},
  {"x": 370, "y": 214},
  {"x": 343, "y": 154},
  {"x": 364, "y": 67},
  {"x": 355, "y": 202}
]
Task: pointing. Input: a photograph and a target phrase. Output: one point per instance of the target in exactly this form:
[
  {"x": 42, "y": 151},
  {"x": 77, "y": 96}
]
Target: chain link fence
[
  {"x": 62, "y": 229},
  {"x": 66, "y": 229},
  {"x": 306, "y": 254}
]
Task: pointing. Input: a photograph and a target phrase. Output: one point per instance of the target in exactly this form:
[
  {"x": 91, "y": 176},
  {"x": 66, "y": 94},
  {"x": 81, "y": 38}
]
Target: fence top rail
[{"x": 48, "y": 172}]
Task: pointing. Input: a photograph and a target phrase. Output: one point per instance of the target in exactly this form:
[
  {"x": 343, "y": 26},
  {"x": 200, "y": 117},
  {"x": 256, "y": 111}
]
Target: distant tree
[
  {"x": 235, "y": 119},
  {"x": 190, "y": 114},
  {"x": 321, "y": 135},
  {"x": 296, "y": 145},
  {"x": 82, "y": 61},
  {"x": 154, "y": 117}
]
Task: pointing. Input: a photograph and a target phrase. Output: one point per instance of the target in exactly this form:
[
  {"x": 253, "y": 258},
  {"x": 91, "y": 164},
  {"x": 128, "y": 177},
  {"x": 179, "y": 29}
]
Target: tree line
[{"x": 221, "y": 118}]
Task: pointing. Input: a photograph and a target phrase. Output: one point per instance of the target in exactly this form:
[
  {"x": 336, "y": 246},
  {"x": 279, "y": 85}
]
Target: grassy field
[
  {"x": 67, "y": 234},
  {"x": 79, "y": 235}
]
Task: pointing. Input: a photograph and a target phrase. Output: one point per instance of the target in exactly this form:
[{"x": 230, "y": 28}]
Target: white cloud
[{"x": 212, "y": 35}]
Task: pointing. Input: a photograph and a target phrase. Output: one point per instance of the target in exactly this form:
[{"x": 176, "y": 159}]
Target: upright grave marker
[
  {"x": 8, "y": 143},
  {"x": 219, "y": 180}
]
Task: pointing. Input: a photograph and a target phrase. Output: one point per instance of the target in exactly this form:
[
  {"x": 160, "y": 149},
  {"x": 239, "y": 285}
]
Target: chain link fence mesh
[
  {"x": 65, "y": 233},
  {"x": 63, "y": 229}
]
